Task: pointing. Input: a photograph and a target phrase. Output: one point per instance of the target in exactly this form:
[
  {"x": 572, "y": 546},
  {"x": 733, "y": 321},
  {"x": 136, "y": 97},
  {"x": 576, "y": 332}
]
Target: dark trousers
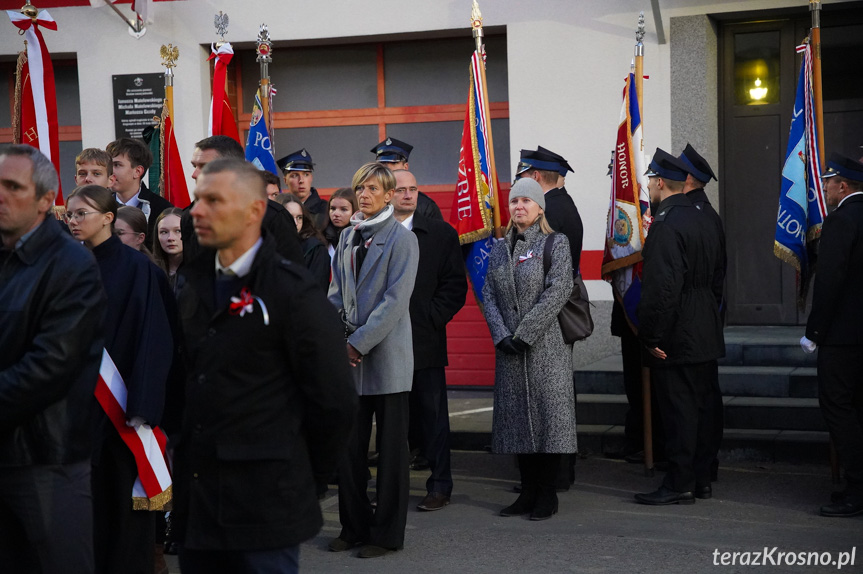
[
  {"x": 385, "y": 525},
  {"x": 630, "y": 351},
  {"x": 46, "y": 519},
  {"x": 684, "y": 394},
  {"x": 429, "y": 414},
  {"x": 124, "y": 539},
  {"x": 840, "y": 394},
  {"x": 718, "y": 417},
  {"x": 278, "y": 561}
]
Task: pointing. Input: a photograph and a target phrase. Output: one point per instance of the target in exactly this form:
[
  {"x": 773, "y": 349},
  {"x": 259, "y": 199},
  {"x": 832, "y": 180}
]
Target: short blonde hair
[{"x": 376, "y": 170}]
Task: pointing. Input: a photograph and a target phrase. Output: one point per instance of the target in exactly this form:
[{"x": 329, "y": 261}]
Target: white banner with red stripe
[{"x": 152, "y": 490}]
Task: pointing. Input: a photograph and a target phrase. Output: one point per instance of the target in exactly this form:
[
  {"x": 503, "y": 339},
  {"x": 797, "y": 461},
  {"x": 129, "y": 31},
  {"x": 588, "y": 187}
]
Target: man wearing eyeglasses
[{"x": 51, "y": 345}]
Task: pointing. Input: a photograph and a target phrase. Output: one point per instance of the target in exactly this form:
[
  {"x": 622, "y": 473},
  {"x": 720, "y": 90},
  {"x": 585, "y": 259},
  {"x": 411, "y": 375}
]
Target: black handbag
[{"x": 576, "y": 324}]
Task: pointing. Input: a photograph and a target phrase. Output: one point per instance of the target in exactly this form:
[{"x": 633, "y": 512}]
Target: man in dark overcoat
[
  {"x": 698, "y": 174},
  {"x": 439, "y": 293},
  {"x": 269, "y": 398},
  {"x": 835, "y": 325},
  {"x": 679, "y": 325}
]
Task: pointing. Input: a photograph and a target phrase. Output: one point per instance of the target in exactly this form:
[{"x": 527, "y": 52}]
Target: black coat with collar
[
  {"x": 53, "y": 305},
  {"x": 562, "y": 215},
  {"x": 837, "y": 305},
  {"x": 269, "y": 403},
  {"x": 439, "y": 292},
  {"x": 699, "y": 199},
  {"x": 678, "y": 310}
]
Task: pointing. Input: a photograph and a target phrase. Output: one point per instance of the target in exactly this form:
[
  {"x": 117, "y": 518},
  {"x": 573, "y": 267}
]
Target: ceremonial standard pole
[
  {"x": 639, "y": 66},
  {"x": 169, "y": 54},
  {"x": 815, "y": 8},
  {"x": 265, "y": 50},
  {"x": 476, "y": 26}
]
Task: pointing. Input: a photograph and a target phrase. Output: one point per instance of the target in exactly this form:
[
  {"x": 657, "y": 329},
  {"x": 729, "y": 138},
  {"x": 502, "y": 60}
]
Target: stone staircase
[{"x": 769, "y": 387}]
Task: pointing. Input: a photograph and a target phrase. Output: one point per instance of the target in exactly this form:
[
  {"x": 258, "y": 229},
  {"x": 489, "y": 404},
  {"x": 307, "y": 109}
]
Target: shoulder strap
[{"x": 546, "y": 254}]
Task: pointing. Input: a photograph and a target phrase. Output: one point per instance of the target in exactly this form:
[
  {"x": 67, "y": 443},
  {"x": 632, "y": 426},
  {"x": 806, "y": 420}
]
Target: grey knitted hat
[{"x": 526, "y": 187}]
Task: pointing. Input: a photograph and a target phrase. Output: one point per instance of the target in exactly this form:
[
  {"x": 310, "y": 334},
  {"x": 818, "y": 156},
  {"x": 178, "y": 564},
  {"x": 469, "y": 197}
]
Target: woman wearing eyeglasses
[{"x": 138, "y": 339}]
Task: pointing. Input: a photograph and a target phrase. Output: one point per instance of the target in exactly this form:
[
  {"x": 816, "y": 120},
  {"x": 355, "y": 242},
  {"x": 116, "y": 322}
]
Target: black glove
[
  {"x": 520, "y": 346},
  {"x": 506, "y": 345}
]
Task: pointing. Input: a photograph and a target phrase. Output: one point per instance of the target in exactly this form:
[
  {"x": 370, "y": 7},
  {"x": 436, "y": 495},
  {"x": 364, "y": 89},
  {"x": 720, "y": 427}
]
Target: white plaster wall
[{"x": 567, "y": 60}]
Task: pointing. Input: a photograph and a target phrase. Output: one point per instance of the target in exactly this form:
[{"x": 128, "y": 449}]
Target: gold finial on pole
[
  {"x": 170, "y": 54},
  {"x": 221, "y": 21}
]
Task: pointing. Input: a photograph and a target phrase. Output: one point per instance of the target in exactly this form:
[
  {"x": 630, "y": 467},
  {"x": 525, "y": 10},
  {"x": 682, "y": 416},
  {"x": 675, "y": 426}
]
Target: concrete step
[
  {"x": 760, "y": 413},
  {"x": 766, "y": 347},
  {"x": 606, "y": 377}
]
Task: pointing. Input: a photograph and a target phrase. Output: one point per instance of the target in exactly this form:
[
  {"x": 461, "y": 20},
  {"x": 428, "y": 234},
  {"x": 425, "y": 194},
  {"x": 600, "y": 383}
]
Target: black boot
[
  {"x": 546, "y": 503},
  {"x": 547, "y": 470},
  {"x": 526, "y": 500}
]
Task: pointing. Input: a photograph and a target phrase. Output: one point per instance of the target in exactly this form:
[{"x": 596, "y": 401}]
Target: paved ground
[{"x": 600, "y": 529}]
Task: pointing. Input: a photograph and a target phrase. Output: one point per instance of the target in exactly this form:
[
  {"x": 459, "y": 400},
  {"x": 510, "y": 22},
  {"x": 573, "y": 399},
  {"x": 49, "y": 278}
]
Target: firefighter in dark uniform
[
  {"x": 395, "y": 154},
  {"x": 698, "y": 175},
  {"x": 680, "y": 327},
  {"x": 835, "y": 326},
  {"x": 549, "y": 169},
  {"x": 300, "y": 175}
]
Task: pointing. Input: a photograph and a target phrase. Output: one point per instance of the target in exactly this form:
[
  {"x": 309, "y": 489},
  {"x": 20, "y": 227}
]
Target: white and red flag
[
  {"x": 153, "y": 487},
  {"x": 222, "y": 122},
  {"x": 35, "y": 110}
]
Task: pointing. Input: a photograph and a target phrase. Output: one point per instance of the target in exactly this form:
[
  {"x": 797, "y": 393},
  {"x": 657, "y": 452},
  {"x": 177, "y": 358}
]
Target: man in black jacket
[
  {"x": 277, "y": 221},
  {"x": 269, "y": 399},
  {"x": 679, "y": 325},
  {"x": 130, "y": 161},
  {"x": 835, "y": 325},
  {"x": 51, "y": 343},
  {"x": 439, "y": 293}
]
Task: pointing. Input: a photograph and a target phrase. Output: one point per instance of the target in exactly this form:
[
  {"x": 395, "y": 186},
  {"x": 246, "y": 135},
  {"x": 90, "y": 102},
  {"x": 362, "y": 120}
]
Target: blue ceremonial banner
[
  {"x": 259, "y": 149},
  {"x": 801, "y": 203}
]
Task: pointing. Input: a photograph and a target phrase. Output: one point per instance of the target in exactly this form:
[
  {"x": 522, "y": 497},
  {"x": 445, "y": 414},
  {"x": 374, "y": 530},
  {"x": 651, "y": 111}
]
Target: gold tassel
[
  {"x": 19, "y": 86},
  {"x": 162, "y": 502}
]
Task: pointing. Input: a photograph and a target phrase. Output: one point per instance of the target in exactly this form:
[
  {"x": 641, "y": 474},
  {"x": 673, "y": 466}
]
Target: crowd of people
[{"x": 265, "y": 329}]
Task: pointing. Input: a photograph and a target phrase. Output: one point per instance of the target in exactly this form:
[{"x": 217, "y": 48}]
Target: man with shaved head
[{"x": 269, "y": 396}]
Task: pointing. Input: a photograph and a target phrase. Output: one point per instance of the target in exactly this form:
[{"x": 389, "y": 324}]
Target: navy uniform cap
[
  {"x": 392, "y": 150},
  {"x": 564, "y": 165},
  {"x": 543, "y": 160},
  {"x": 845, "y": 167},
  {"x": 298, "y": 161},
  {"x": 696, "y": 165},
  {"x": 666, "y": 166}
]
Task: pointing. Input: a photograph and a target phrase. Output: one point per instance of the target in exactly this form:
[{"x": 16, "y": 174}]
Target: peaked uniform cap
[
  {"x": 666, "y": 166},
  {"x": 844, "y": 166},
  {"x": 696, "y": 165},
  {"x": 392, "y": 150},
  {"x": 298, "y": 161}
]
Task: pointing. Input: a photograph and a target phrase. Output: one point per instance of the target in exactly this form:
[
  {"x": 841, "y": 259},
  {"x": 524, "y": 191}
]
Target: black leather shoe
[
  {"x": 847, "y": 508},
  {"x": 635, "y": 457},
  {"x": 703, "y": 492},
  {"x": 419, "y": 462},
  {"x": 664, "y": 496},
  {"x": 433, "y": 501},
  {"x": 340, "y": 545},
  {"x": 372, "y": 551}
]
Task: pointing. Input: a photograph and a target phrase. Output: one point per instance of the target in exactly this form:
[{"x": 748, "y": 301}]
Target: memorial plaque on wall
[{"x": 137, "y": 99}]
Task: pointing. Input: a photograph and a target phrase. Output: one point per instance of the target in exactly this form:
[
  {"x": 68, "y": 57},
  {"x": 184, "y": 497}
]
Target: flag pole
[
  {"x": 645, "y": 370},
  {"x": 639, "y": 66},
  {"x": 169, "y": 54},
  {"x": 476, "y": 26},
  {"x": 264, "y": 50},
  {"x": 815, "y": 8}
]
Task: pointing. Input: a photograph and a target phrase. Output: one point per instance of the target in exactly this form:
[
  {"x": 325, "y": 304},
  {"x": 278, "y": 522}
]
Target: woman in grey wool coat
[{"x": 534, "y": 405}]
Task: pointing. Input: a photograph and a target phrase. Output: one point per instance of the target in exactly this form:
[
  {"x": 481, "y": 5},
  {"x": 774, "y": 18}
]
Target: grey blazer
[{"x": 376, "y": 305}]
